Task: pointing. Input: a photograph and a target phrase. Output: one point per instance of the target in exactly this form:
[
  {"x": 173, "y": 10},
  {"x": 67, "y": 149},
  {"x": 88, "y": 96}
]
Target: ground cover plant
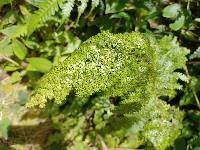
[{"x": 98, "y": 84}]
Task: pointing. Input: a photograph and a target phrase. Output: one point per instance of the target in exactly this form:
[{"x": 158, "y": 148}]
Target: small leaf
[
  {"x": 19, "y": 49},
  {"x": 178, "y": 24},
  {"x": 24, "y": 11},
  {"x": 121, "y": 15},
  {"x": 14, "y": 31},
  {"x": 171, "y": 11},
  {"x": 74, "y": 44},
  {"x": 186, "y": 99},
  {"x": 5, "y": 48},
  {"x": 39, "y": 64},
  {"x": 15, "y": 77},
  {"x": 115, "y": 6},
  {"x": 196, "y": 54},
  {"x": 197, "y": 19},
  {"x": 31, "y": 44},
  {"x": 10, "y": 68}
]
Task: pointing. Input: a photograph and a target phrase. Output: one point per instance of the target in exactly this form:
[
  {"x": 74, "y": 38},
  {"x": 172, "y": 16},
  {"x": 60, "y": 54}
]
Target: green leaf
[
  {"x": 14, "y": 31},
  {"x": 4, "y": 126},
  {"x": 10, "y": 68},
  {"x": 123, "y": 15},
  {"x": 46, "y": 9},
  {"x": 187, "y": 99},
  {"x": 5, "y": 47},
  {"x": 115, "y": 6},
  {"x": 24, "y": 11},
  {"x": 196, "y": 54},
  {"x": 72, "y": 45},
  {"x": 171, "y": 11},
  {"x": 15, "y": 77},
  {"x": 4, "y": 2},
  {"x": 197, "y": 19},
  {"x": 19, "y": 49},
  {"x": 178, "y": 24},
  {"x": 39, "y": 64},
  {"x": 31, "y": 44}
]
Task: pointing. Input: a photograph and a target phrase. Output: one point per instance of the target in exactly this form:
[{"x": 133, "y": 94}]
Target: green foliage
[
  {"x": 173, "y": 57},
  {"x": 46, "y": 9},
  {"x": 103, "y": 62},
  {"x": 196, "y": 54},
  {"x": 67, "y": 8},
  {"x": 39, "y": 64},
  {"x": 171, "y": 11},
  {"x": 19, "y": 49},
  {"x": 14, "y": 31},
  {"x": 189, "y": 138},
  {"x": 148, "y": 126},
  {"x": 125, "y": 66},
  {"x": 38, "y": 34},
  {"x": 174, "y": 11},
  {"x": 4, "y": 2}
]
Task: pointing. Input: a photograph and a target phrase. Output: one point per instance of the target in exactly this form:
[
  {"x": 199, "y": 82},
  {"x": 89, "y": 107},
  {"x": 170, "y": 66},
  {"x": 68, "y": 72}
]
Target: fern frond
[
  {"x": 82, "y": 6},
  {"x": 81, "y": 9},
  {"x": 94, "y": 4},
  {"x": 67, "y": 8},
  {"x": 104, "y": 62},
  {"x": 171, "y": 56},
  {"x": 161, "y": 124},
  {"x": 46, "y": 9},
  {"x": 131, "y": 66},
  {"x": 15, "y": 31},
  {"x": 196, "y": 54}
]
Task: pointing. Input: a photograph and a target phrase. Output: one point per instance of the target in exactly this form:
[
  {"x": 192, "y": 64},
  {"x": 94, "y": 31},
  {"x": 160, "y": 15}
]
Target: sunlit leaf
[
  {"x": 171, "y": 11},
  {"x": 39, "y": 64},
  {"x": 15, "y": 77},
  {"x": 19, "y": 49},
  {"x": 10, "y": 68},
  {"x": 14, "y": 31},
  {"x": 5, "y": 47},
  {"x": 178, "y": 24}
]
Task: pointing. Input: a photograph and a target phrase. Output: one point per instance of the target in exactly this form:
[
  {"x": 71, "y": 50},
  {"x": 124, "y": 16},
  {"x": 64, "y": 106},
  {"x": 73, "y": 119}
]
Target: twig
[
  {"x": 10, "y": 60},
  {"x": 196, "y": 98},
  {"x": 193, "y": 91},
  {"x": 188, "y": 5},
  {"x": 104, "y": 147},
  {"x": 186, "y": 71},
  {"x": 194, "y": 62}
]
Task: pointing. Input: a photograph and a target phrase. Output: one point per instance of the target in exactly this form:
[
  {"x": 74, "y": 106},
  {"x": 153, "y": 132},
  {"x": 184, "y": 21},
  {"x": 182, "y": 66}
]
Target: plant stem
[
  {"x": 196, "y": 98},
  {"x": 10, "y": 60},
  {"x": 193, "y": 91}
]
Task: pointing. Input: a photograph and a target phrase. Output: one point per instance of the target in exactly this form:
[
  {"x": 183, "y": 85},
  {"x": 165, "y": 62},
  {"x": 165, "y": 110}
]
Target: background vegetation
[{"x": 38, "y": 34}]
